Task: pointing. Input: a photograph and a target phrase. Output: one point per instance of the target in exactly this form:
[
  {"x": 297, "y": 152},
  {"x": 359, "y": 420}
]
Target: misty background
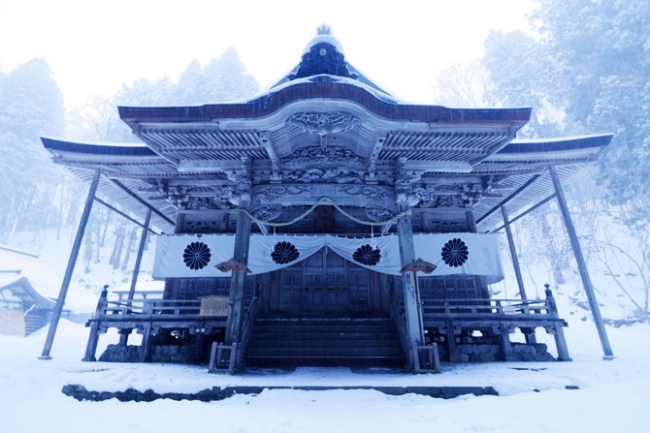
[{"x": 584, "y": 68}]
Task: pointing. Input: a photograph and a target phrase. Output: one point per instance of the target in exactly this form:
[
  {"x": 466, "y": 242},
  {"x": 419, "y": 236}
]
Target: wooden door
[{"x": 324, "y": 284}]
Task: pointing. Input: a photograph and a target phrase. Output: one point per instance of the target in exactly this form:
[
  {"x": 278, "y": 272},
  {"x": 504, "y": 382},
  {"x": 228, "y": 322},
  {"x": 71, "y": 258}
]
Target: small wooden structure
[
  {"x": 22, "y": 309},
  {"x": 325, "y": 186}
]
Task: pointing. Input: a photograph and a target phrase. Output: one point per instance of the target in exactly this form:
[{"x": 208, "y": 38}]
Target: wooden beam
[{"x": 439, "y": 166}]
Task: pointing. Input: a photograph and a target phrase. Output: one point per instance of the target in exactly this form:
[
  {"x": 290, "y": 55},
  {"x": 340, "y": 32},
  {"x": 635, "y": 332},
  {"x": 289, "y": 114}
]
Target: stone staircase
[{"x": 366, "y": 342}]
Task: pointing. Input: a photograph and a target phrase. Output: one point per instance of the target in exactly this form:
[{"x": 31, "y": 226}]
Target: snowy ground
[{"x": 612, "y": 395}]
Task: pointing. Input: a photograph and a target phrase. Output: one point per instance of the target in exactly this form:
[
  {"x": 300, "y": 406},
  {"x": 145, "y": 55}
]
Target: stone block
[
  {"x": 465, "y": 348},
  {"x": 541, "y": 348},
  {"x": 487, "y": 357}
]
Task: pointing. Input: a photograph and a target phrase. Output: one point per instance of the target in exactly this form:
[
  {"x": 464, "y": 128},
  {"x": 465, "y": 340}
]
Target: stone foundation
[
  {"x": 493, "y": 352},
  {"x": 180, "y": 354}
]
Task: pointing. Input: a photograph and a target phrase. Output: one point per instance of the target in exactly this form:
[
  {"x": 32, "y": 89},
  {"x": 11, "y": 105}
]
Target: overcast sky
[{"x": 93, "y": 47}]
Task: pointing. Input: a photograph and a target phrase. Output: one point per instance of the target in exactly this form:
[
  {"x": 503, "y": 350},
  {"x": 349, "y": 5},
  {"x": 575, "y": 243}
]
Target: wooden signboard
[{"x": 214, "y": 306}]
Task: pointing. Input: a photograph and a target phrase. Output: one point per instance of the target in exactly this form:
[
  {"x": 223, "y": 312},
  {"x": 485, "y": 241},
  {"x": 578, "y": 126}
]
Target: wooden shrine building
[{"x": 349, "y": 227}]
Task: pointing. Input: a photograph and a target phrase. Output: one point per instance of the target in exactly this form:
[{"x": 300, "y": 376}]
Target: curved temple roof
[{"x": 324, "y": 114}]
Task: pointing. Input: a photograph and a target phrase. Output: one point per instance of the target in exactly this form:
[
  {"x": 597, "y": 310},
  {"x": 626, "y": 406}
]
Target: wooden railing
[
  {"x": 144, "y": 294},
  {"x": 451, "y": 317},
  {"x": 158, "y": 307},
  {"x": 450, "y": 307}
]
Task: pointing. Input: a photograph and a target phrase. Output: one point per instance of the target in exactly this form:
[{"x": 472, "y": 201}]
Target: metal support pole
[
  {"x": 513, "y": 254},
  {"x": 124, "y": 337},
  {"x": 58, "y": 307},
  {"x": 528, "y": 332},
  {"x": 138, "y": 260},
  {"x": 582, "y": 267}
]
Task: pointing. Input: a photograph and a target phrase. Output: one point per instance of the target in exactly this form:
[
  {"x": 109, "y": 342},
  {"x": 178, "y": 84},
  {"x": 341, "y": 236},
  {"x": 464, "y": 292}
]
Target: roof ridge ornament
[
  {"x": 324, "y": 29},
  {"x": 323, "y": 55}
]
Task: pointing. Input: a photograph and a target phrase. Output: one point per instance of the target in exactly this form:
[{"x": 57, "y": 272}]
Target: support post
[
  {"x": 138, "y": 261},
  {"x": 582, "y": 266},
  {"x": 513, "y": 254},
  {"x": 504, "y": 339},
  {"x": 238, "y": 281},
  {"x": 240, "y": 254},
  {"x": 411, "y": 306},
  {"x": 558, "y": 331},
  {"x": 58, "y": 307},
  {"x": 454, "y": 354},
  {"x": 146, "y": 342},
  {"x": 529, "y": 332},
  {"x": 93, "y": 337},
  {"x": 124, "y": 336}
]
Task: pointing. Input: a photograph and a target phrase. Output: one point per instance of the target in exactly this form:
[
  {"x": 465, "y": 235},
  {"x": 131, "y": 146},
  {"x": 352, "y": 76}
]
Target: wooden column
[
  {"x": 58, "y": 307},
  {"x": 240, "y": 254},
  {"x": 582, "y": 266},
  {"x": 93, "y": 337},
  {"x": 557, "y": 330},
  {"x": 414, "y": 329},
  {"x": 238, "y": 280}
]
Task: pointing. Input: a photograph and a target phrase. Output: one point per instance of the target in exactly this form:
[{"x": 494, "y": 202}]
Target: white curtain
[{"x": 455, "y": 253}]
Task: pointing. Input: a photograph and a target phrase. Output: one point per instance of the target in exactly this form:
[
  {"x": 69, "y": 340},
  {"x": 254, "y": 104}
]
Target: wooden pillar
[
  {"x": 504, "y": 339},
  {"x": 93, "y": 337},
  {"x": 411, "y": 307},
  {"x": 414, "y": 329},
  {"x": 454, "y": 354},
  {"x": 238, "y": 280},
  {"x": 146, "y": 342},
  {"x": 240, "y": 254},
  {"x": 582, "y": 266},
  {"x": 58, "y": 307},
  {"x": 557, "y": 330}
]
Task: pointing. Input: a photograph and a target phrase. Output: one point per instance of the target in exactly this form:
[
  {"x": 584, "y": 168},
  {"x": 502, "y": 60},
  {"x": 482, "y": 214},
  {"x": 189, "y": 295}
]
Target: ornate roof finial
[{"x": 324, "y": 29}]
